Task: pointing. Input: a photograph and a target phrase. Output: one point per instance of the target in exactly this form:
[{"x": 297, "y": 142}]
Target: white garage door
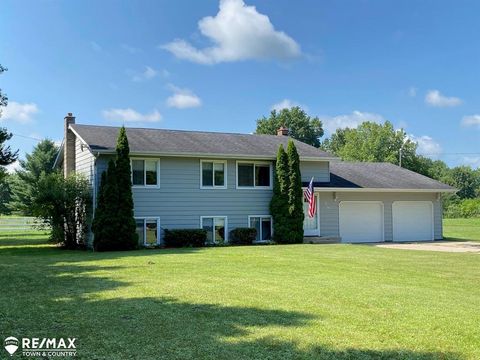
[
  {"x": 361, "y": 221},
  {"x": 412, "y": 220}
]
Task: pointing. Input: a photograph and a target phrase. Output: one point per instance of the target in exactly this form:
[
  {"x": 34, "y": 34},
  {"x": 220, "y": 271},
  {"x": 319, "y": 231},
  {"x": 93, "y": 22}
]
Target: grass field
[
  {"x": 263, "y": 302},
  {"x": 462, "y": 229}
]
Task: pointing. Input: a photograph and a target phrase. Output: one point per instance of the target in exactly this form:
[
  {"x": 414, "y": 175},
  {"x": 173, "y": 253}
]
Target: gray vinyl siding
[
  {"x": 319, "y": 170},
  {"x": 328, "y": 210},
  {"x": 329, "y": 213},
  {"x": 84, "y": 161},
  {"x": 179, "y": 202}
]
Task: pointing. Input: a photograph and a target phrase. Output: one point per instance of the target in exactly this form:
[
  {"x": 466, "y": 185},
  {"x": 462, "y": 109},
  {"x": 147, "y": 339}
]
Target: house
[{"x": 221, "y": 181}]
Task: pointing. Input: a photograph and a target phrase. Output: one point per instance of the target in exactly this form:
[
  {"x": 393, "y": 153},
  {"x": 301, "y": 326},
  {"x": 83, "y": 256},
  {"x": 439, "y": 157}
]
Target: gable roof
[
  {"x": 369, "y": 176},
  {"x": 102, "y": 139}
]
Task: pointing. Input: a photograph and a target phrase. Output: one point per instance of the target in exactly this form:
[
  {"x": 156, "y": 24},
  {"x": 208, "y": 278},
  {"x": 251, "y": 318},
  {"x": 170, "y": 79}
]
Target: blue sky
[{"x": 210, "y": 65}]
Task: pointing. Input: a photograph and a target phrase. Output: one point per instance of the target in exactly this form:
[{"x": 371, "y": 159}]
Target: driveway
[{"x": 445, "y": 246}]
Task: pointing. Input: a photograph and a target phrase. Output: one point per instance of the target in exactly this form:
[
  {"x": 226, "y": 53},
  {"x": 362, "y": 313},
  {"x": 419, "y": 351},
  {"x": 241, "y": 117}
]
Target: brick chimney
[
  {"x": 68, "y": 146},
  {"x": 283, "y": 131}
]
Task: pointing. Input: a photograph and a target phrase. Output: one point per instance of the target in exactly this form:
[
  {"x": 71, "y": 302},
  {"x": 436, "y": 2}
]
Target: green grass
[
  {"x": 462, "y": 229},
  {"x": 263, "y": 302}
]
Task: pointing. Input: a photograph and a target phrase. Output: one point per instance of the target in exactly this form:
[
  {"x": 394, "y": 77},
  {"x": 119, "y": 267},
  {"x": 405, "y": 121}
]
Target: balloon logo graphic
[{"x": 11, "y": 345}]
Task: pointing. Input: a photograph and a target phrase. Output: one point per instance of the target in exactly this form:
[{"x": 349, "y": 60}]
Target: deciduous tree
[
  {"x": 301, "y": 126},
  {"x": 64, "y": 204}
]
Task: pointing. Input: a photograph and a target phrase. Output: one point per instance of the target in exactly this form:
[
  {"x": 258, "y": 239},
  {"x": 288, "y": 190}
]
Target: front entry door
[{"x": 311, "y": 226}]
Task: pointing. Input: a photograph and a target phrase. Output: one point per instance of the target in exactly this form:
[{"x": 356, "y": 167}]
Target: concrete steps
[{"x": 321, "y": 240}]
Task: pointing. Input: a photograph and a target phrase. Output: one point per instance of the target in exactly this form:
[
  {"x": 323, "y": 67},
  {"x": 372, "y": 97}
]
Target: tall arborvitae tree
[
  {"x": 295, "y": 195},
  {"x": 279, "y": 202},
  {"x": 114, "y": 225},
  {"x": 105, "y": 223},
  {"x": 126, "y": 231}
]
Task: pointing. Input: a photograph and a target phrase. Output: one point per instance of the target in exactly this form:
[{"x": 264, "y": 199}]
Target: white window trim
[
  {"x": 216, "y": 216},
  {"x": 145, "y": 218},
  {"x": 254, "y": 187},
  {"x": 145, "y": 174},
  {"x": 261, "y": 216},
  {"x": 225, "y": 172}
]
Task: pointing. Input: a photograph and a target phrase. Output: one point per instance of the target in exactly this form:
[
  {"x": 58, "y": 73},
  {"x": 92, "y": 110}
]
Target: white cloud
[
  {"x": 285, "y": 104},
  {"x": 183, "y": 98},
  {"x": 412, "y": 91},
  {"x": 238, "y": 32},
  {"x": 130, "y": 115},
  {"x": 330, "y": 124},
  {"x": 22, "y": 113},
  {"x": 471, "y": 120},
  {"x": 148, "y": 74},
  {"x": 426, "y": 145},
  {"x": 435, "y": 98}
]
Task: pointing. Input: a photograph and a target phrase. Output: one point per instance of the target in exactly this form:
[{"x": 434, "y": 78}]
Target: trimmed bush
[
  {"x": 185, "y": 237},
  {"x": 243, "y": 236}
]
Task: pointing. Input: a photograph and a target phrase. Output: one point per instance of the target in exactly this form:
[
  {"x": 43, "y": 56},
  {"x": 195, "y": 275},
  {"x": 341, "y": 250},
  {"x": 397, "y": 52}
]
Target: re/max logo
[{"x": 46, "y": 343}]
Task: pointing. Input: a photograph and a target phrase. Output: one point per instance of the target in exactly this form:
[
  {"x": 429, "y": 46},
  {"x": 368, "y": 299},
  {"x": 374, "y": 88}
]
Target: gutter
[
  {"x": 384, "y": 190},
  {"x": 214, "y": 155}
]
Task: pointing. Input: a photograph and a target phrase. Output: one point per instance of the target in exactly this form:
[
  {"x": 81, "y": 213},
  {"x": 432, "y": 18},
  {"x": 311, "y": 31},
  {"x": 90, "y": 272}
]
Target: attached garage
[
  {"x": 412, "y": 220},
  {"x": 361, "y": 221}
]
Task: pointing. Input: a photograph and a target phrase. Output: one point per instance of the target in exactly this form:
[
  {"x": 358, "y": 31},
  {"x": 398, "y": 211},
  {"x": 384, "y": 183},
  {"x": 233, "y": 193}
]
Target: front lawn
[
  {"x": 462, "y": 229},
  {"x": 257, "y": 302}
]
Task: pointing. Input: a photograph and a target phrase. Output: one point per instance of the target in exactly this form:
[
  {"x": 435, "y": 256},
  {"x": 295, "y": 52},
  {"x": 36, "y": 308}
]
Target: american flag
[{"x": 310, "y": 197}]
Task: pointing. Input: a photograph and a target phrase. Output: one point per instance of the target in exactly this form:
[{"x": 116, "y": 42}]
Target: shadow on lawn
[
  {"x": 48, "y": 298},
  {"x": 163, "y": 328}
]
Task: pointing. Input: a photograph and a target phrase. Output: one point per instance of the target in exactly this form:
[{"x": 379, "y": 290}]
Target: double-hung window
[
  {"x": 263, "y": 225},
  {"x": 216, "y": 227},
  {"x": 213, "y": 174},
  {"x": 254, "y": 175},
  {"x": 146, "y": 172},
  {"x": 148, "y": 230}
]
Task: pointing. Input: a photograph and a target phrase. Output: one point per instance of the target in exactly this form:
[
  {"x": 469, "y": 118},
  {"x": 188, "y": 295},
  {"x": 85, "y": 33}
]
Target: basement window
[
  {"x": 148, "y": 231},
  {"x": 263, "y": 225}
]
